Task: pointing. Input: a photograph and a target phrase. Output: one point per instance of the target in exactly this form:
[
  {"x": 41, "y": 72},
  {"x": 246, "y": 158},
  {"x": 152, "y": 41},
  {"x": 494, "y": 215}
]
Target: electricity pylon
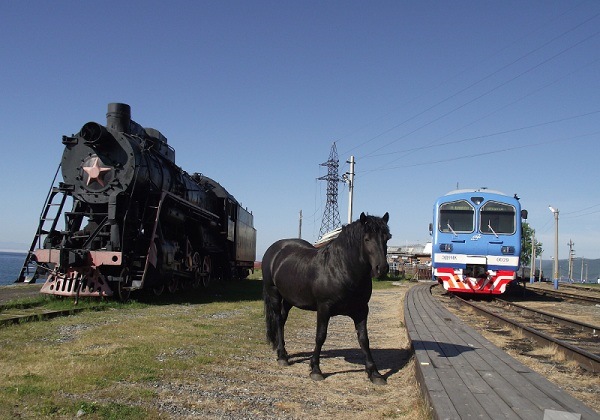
[{"x": 331, "y": 216}]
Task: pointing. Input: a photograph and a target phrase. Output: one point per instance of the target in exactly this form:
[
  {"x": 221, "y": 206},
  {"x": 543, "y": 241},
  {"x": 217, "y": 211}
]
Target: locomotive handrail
[
  {"x": 45, "y": 207},
  {"x": 207, "y": 214},
  {"x": 93, "y": 235},
  {"x": 39, "y": 230}
]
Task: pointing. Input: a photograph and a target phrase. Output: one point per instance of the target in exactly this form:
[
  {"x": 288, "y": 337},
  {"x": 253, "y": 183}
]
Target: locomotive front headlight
[
  {"x": 446, "y": 247},
  {"x": 508, "y": 250}
]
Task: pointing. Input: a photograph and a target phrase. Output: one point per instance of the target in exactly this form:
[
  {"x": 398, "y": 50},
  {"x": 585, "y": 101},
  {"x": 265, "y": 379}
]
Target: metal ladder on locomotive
[{"x": 30, "y": 270}]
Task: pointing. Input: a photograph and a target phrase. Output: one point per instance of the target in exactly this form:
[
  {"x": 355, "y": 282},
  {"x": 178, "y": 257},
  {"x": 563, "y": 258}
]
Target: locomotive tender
[
  {"x": 138, "y": 221},
  {"x": 476, "y": 244}
]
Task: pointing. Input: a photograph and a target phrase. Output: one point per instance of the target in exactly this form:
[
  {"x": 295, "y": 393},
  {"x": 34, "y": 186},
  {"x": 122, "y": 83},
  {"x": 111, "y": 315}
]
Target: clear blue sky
[{"x": 427, "y": 95}]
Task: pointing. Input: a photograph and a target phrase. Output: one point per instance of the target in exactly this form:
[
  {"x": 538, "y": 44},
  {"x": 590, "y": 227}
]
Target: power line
[
  {"x": 494, "y": 88},
  {"x": 491, "y": 55},
  {"x": 483, "y": 153},
  {"x": 584, "y": 209},
  {"x": 433, "y": 145},
  {"x": 486, "y": 93}
]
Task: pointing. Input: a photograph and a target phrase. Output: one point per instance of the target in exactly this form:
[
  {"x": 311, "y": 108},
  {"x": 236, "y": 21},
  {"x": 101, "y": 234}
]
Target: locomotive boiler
[{"x": 137, "y": 220}]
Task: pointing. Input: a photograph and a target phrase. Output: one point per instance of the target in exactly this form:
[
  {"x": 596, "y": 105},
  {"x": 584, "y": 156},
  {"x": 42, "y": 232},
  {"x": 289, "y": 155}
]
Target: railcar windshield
[
  {"x": 497, "y": 218},
  {"x": 456, "y": 217}
]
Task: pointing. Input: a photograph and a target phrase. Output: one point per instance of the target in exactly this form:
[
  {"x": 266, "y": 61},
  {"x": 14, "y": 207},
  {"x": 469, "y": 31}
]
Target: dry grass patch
[{"x": 203, "y": 357}]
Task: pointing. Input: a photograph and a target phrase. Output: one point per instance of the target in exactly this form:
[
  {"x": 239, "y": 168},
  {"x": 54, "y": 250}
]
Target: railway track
[
  {"x": 11, "y": 316},
  {"x": 544, "y": 315},
  {"x": 576, "y": 340},
  {"x": 574, "y": 293}
]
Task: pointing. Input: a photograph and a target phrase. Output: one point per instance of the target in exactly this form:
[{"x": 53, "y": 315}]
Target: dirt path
[
  {"x": 248, "y": 383},
  {"x": 254, "y": 386}
]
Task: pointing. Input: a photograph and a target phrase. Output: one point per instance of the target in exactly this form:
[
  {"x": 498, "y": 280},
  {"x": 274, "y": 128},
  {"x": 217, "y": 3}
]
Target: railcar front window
[
  {"x": 497, "y": 218},
  {"x": 456, "y": 217}
]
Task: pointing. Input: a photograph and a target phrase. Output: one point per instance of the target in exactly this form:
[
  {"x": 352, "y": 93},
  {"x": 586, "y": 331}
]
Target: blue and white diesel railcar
[{"x": 476, "y": 244}]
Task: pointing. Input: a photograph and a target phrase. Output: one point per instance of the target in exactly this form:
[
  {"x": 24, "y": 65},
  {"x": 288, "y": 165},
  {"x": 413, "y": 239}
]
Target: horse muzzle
[{"x": 380, "y": 271}]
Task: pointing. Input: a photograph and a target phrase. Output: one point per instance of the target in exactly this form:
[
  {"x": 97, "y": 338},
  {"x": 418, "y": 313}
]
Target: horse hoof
[
  {"x": 283, "y": 362},
  {"x": 315, "y": 376},
  {"x": 378, "y": 380}
]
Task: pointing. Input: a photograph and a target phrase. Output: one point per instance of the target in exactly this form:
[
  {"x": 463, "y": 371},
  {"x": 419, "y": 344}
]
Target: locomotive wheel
[
  {"x": 123, "y": 288},
  {"x": 173, "y": 285},
  {"x": 197, "y": 267},
  {"x": 195, "y": 261},
  {"x": 157, "y": 290},
  {"x": 206, "y": 271}
]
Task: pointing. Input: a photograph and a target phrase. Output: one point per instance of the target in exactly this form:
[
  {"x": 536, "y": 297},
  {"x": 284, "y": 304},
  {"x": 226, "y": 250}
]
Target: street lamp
[{"x": 555, "y": 274}]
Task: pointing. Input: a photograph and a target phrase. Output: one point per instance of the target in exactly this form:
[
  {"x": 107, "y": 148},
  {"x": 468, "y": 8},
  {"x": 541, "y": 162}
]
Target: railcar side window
[
  {"x": 456, "y": 217},
  {"x": 497, "y": 218}
]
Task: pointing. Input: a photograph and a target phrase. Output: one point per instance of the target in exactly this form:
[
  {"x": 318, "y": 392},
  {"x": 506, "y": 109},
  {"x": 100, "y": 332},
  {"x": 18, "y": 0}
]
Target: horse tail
[
  {"x": 270, "y": 314},
  {"x": 270, "y": 320}
]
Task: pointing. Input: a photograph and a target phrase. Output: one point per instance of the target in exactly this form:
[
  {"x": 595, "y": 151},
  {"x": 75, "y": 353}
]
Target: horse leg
[
  {"x": 322, "y": 324},
  {"x": 360, "y": 323},
  {"x": 282, "y": 355}
]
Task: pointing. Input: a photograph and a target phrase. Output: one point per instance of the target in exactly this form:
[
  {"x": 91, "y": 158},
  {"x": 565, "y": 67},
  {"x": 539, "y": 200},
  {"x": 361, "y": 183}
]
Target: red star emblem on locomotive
[{"x": 96, "y": 172}]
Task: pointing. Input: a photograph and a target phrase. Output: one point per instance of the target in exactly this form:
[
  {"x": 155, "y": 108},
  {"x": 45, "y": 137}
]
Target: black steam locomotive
[{"x": 138, "y": 221}]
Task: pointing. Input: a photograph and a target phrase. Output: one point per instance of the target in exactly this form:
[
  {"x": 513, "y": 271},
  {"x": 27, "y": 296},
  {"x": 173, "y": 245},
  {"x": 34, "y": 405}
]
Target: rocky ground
[
  {"x": 250, "y": 384},
  {"x": 254, "y": 386}
]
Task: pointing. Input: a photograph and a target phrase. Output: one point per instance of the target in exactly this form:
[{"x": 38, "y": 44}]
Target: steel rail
[
  {"x": 581, "y": 326},
  {"x": 565, "y": 295},
  {"x": 586, "y": 360},
  {"x": 10, "y": 319}
]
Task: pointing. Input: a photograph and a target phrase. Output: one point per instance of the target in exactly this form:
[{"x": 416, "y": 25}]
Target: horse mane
[{"x": 353, "y": 233}]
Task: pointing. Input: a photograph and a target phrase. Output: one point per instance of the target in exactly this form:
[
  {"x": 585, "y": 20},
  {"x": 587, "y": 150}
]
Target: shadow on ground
[{"x": 388, "y": 361}]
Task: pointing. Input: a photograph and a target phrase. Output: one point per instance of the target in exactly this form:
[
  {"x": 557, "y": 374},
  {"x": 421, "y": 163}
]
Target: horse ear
[
  {"x": 386, "y": 217},
  {"x": 363, "y": 217}
]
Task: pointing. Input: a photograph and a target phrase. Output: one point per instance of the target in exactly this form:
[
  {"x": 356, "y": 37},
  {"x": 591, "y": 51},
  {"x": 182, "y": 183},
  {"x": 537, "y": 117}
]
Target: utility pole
[
  {"x": 571, "y": 253},
  {"x": 532, "y": 274},
  {"x": 555, "y": 273},
  {"x": 300, "y": 226},
  {"x": 348, "y": 177}
]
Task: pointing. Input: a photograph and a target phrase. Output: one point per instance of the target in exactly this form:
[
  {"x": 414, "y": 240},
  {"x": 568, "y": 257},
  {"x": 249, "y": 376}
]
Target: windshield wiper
[
  {"x": 451, "y": 230},
  {"x": 490, "y": 228}
]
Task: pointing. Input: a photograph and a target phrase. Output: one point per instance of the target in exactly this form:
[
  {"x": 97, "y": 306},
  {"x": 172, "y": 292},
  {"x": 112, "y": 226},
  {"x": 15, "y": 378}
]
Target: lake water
[{"x": 10, "y": 266}]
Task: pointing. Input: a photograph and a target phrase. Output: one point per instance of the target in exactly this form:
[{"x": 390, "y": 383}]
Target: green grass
[
  {"x": 105, "y": 363},
  {"x": 377, "y": 283},
  {"x": 52, "y": 369}
]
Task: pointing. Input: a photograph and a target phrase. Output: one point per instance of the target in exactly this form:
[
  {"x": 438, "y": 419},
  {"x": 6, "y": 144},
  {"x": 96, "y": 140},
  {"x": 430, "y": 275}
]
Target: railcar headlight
[
  {"x": 508, "y": 250},
  {"x": 446, "y": 247}
]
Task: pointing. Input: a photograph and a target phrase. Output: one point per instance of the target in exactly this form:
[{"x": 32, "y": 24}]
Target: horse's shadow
[{"x": 389, "y": 361}]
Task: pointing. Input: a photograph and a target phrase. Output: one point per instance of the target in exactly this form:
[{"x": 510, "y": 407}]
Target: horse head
[{"x": 376, "y": 236}]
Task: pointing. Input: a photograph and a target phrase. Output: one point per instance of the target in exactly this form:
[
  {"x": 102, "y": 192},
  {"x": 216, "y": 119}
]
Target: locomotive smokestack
[
  {"x": 118, "y": 117},
  {"x": 95, "y": 135}
]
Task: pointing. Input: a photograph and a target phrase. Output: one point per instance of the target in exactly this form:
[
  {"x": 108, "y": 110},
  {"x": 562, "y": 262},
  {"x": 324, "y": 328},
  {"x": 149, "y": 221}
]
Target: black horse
[{"x": 332, "y": 280}]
